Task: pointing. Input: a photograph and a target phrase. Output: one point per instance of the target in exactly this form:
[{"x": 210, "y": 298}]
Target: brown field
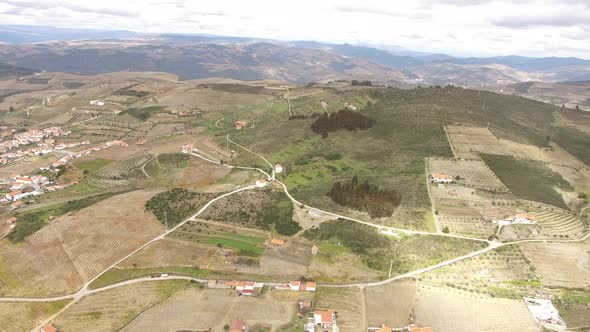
[
  {"x": 112, "y": 309},
  {"x": 73, "y": 248},
  {"x": 176, "y": 252},
  {"x": 348, "y": 304},
  {"x": 200, "y": 309},
  {"x": 293, "y": 259},
  {"x": 340, "y": 267},
  {"x": 446, "y": 311},
  {"x": 561, "y": 265},
  {"x": 25, "y": 316},
  {"x": 390, "y": 304}
]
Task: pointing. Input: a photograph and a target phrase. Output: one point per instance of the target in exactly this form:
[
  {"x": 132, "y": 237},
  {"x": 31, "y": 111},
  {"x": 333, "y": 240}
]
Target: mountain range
[{"x": 200, "y": 56}]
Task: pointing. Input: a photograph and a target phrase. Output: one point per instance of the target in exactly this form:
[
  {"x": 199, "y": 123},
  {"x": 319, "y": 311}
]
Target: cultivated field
[
  {"x": 485, "y": 275},
  {"x": 560, "y": 265},
  {"x": 73, "y": 248},
  {"x": 472, "y": 173},
  {"x": 390, "y": 304},
  {"x": 25, "y": 316},
  {"x": 113, "y": 309},
  {"x": 551, "y": 224},
  {"x": 203, "y": 309},
  {"x": 348, "y": 304},
  {"x": 444, "y": 310}
]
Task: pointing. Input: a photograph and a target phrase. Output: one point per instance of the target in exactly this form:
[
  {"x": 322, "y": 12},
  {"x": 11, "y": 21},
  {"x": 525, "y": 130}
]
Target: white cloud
[{"x": 464, "y": 27}]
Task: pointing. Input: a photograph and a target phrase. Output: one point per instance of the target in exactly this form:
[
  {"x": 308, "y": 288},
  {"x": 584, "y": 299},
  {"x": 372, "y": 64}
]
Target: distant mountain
[
  {"x": 7, "y": 70},
  {"x": 198, "y": 56},
  {"x": 195, "y": 57},
  {"x": 23, "y": 34}
]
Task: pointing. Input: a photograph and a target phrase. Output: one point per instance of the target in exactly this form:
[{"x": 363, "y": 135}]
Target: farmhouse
[
  {"x": 277, "y": 242},
  {"x": 48, "y": 328},
  {"x": 279, "y": 168},
  {"x": 240, "y": 124},
  {"x": 414, "y": 328},
  {"x": 296, "y": 286},
  {"x": 238, "y": 325},
  {"x": 441, "y": 178},
  {"x": 315, "y": 250},
  {"x": 187, "y": 148},
  {"x": 324, "y": 318},
  {"x": 544, "y": 312},
  {"x": 97, "y": 103},
  {"x": 519, "y": 218},
  {"x": 17, "y": 204},
  {"x": 304, "y": 306},
  {"x": 261, "y": 183},
  {"x": 249, "y": 288},
  {"x": 350, "y": 107}
]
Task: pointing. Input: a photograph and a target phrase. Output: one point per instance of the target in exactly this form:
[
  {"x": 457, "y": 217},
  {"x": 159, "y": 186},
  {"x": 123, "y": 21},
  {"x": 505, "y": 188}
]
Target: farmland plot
[
  {"x": 112, "y": 309},
  {"x": 561, "y": 265},
  {"x": 479, "y": 275},
  {"x": 73, "y": 248},
  {"x": 25, "y": 316},
  {"x": 199, "y": 309},
  {"x": 347, "y": 302},
  {"x": 122, "y": 168},
  {"x": 473, "y": 173},
  {"x": 445, "y": 310},
  {"x": 390, "y": 304}
]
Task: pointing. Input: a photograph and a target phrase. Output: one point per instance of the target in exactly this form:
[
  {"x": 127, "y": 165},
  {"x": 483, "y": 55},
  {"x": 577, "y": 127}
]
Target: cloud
[
  {"x": 550, "y": 20},
  {"x": 45, "y": 5}
]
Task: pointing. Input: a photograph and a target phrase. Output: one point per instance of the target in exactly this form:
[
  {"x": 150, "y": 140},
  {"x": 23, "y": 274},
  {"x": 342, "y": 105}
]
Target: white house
[
  {"x": 441, "y": 178},
  {"x": 97, "y": 103},
  {"x": 279, "y": 168},
  {"x": 261, "y": 183},
  {"x": 324, "y": 318},
  {"x": 187, "y": 148}
]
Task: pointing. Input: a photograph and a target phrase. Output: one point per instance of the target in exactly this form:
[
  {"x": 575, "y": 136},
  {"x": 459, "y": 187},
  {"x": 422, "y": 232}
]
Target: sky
[{"x": 457, "y": 27}]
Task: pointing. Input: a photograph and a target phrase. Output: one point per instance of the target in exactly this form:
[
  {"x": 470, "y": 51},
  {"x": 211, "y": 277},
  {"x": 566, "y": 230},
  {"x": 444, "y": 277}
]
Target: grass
[
  {"x": 378, "y": 251},
  {"x": 31, "y": 221},
  {"x": 92, "y": 164},
  {"x": 529, "y": 179},
  {"x": 204, "y": 233},
  {"x": 115, "y": 275}
]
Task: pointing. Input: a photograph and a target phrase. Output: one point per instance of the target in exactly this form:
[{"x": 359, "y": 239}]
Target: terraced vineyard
[
  {"x": 123, "y": 168},
  {"x": 552, "y": 225}
]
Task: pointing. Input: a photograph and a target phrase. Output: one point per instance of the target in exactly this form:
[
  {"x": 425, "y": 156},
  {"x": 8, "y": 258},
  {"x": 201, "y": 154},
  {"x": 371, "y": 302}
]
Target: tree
[
  {"x": 85, "y": 172},
  {"x": 446, "y": 229}
]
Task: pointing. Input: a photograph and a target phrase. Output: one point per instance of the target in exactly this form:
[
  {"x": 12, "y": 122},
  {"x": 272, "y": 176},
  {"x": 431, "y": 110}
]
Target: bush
[
  {"x": 446, "y": 229},
  {"x": 343, "y": 119}
]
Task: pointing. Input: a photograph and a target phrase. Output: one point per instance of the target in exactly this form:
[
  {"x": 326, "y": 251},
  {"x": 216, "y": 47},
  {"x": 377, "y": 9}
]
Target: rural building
[
  {"x": 350, "y": 107},
  {"x": 324, "y": 318},
  {"x": 311, "y": 286},
  {"x": 519, "y": 218},
  {"x": 315, "y": 250},
  {"x": 277, "y": 242},
  {"x": 304, "y": 306},
  {"x": 48, "y": 328},
  {"x": 97, "y": 103},
  {"x": 249, "y": 288},
  {"x": 238, "y": 325},
  {"x": 441, "y": 178},
  {"x": 240, "y": 124},
  {"x": 296, "y": 286},
  {"x": 279, "y": 168},
  {"x": 383, "y": 328},
  {"x": 544, "y": 312},
  {"x": 261, "y": 183},
  {"x": 17, "y": 204},
  {"x": 187, "y": 148},
  {"x": 11, "y": 220},
  {"x": 414, "y": 328}
]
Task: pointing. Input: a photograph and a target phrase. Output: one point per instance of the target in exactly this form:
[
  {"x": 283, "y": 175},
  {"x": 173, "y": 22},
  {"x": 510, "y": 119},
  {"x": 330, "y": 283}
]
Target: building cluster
[
  {"x": 66, "y": 159},
  {"x": 13, "y": 140},
  {"x": 441, "y": 178},
  {"x": 519, "y": 218},
  {"x": 246, "y": 288},
  {"x": 298, "y": 286}
]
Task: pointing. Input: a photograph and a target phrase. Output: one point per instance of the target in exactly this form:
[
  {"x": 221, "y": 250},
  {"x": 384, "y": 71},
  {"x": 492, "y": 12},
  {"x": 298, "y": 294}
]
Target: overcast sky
[{"x": 460, "y": 27}]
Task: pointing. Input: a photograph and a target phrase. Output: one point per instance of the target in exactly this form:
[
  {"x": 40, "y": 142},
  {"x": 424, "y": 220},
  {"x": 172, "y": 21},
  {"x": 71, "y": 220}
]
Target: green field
[
  {"x": 528, "y": 179},
  {"x": 92, "y": 165},
  {"x": 245, "y": 245}
]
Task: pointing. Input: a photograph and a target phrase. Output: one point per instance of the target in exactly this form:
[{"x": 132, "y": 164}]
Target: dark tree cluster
[
  {"x": 361, "y": 83},
  {"x": 172, "y": 207},
  {"x": 363, "y": 196},
  {"x": 343, "y": 119}
]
